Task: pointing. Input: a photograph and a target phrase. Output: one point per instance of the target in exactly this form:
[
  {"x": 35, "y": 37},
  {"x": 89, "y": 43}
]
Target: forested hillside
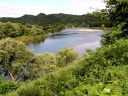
[
  {"x": 95, "y": 19},
  {"x": 103, "y": 72}
]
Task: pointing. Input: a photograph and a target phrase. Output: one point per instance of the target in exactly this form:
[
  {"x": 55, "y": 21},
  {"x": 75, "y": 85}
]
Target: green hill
[{"x": 43, "y": 19}]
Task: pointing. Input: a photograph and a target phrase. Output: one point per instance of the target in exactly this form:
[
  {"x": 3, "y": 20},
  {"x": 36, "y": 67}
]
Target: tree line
[
  {"x": 95, "y": 19},
  {"x": 28, "y": 32}
]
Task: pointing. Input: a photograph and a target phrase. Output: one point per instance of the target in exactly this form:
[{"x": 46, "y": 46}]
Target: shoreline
[{"x": 87, "y": 29}]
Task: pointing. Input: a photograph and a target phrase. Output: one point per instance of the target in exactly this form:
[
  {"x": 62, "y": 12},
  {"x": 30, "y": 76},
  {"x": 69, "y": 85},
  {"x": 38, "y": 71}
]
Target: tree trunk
[{"x": 11, "y": 76}]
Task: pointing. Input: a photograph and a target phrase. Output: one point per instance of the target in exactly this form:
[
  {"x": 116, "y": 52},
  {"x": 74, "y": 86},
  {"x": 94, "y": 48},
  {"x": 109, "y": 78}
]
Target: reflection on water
[{"x": 79, "y": 40}]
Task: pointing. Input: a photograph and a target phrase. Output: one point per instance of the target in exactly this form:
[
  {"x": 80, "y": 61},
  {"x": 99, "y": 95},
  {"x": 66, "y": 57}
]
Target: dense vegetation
[
  {"x": 30, "y": 28},
  {"x": 27, "y": 32},
  {"x": 96, "y": 74},
  {"x": 18, "y": 63},
  {"x": 95, "y": 19},
  {"x": 100, "y": 73},
  {"x": 16, "y": 30},
  {"x": 118, "y": 12}
]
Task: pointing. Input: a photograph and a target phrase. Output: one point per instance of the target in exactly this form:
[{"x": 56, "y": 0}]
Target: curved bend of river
[{"x": 79, "y": 39}]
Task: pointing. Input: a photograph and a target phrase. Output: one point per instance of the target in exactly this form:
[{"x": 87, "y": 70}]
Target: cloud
[
  {"x": 17, "y": 9},
  {"x": 12, "y": 10},
  {"x": 88, "y": 5}
]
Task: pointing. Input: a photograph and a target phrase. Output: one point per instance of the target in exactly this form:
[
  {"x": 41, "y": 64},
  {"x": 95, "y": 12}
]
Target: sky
[{"x": 17, "y": 8}]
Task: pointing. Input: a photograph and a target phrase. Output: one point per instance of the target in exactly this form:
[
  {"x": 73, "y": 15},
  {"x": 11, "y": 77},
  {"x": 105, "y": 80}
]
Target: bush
[
  {"x": 29, "y": 90},
  {"x": 107, "y": 65},
  {"x": 113, "y": 36},
  {"x": 14, "y": 56},
  {"x": 8, "y": 86},
  {"x": 12, "y": 94},
  {"x": 66, "y": 56},
  {"x": 42, "y": 65},
  {"x": 16, "y": 30},
  {"x": 89, "y": 90},
  {"x": 94, "y": 66}
]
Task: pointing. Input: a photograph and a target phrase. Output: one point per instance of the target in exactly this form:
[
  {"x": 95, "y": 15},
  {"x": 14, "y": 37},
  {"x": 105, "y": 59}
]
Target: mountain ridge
[{"x": 60, "y": 18}]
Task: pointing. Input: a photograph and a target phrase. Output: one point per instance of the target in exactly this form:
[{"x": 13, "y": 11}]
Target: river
[{"x": 79, "y": 39}]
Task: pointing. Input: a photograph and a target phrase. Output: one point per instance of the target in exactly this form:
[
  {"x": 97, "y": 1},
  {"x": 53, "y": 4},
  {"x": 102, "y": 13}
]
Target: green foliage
[
  {"x": 58, "y": 20},
  {"x": 13, "y": 57},
  {"x": 18, "y": 63},
  {"x": 89, "y": 90},
  {"x": 113, "y": 35},
  {"x": 66, "y": 56},
  {"x": 8, "y": 86},
  {"x": 102, "y": 73},
  {"x": 16, "y": 29},
  {"x": 42, "y": 65},
  {"x": 94, "y": 67},
  {"x": 29, "y": 90},
  {"x": 28, "y": 33},
  {"x": 31, "y": 39},
  {"x": 45, "y": 64},
  {"x": 118, "y": 11}
]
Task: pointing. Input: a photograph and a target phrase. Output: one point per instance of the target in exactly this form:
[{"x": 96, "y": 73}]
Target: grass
[{"x": 31, "y": 39}]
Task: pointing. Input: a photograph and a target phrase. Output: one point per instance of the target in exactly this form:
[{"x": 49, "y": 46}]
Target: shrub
[
  {"x": 42, "y": 65},
  {"x": 8, "y": 86},
  {"x": 113, "y": 36},
  {"x": 66, "y": 56},
  {"x": 14, "y": 56},
  {"x": 29, "y": 90}
]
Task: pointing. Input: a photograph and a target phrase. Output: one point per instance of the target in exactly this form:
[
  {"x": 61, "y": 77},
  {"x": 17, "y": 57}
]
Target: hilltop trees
[{"x": 58, "y": 19}]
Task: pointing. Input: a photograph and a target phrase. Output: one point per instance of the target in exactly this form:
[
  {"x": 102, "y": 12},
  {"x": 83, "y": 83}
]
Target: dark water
[{"x": 69, "y": 38}]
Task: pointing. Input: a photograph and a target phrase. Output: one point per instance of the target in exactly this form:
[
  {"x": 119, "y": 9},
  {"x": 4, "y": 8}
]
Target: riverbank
[
  {"x": 87, "y": 29},
  {"x": 31, "y": 39},
  {"x": 40, "y": 38},
  {"x": 92, "y": 29}
]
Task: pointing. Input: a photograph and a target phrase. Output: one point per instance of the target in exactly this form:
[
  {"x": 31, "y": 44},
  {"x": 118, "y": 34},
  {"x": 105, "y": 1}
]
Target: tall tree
[
  {"x": 118, "y": 12},
  {"x": 14, "y": 56}
]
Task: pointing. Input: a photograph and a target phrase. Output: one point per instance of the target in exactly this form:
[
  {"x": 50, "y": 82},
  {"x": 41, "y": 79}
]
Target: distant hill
[{"x": 43, "y": 19}]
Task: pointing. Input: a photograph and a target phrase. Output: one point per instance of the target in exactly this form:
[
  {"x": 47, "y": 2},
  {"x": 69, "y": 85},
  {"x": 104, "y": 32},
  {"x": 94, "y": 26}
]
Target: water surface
[{"x": 69, "y": 38}]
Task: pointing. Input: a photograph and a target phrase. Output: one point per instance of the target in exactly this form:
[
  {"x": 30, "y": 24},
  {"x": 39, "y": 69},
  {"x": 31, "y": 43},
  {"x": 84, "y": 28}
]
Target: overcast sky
[{"x": 16, "y": 8}]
